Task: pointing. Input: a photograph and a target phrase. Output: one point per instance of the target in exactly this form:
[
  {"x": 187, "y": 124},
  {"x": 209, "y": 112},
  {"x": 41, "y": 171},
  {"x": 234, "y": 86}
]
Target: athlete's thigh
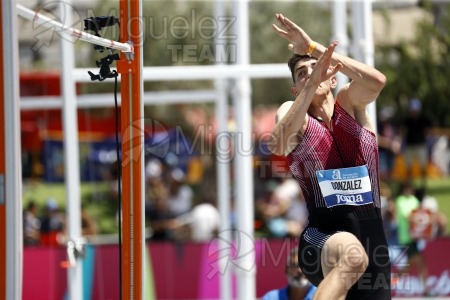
[
  {"x": 310, "y": 251},
  {"x": 342, "y": 248}
]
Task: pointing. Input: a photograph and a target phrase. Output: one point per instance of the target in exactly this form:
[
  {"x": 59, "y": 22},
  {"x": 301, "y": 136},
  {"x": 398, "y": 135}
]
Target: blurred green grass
[{"x": 95, "y": 198}]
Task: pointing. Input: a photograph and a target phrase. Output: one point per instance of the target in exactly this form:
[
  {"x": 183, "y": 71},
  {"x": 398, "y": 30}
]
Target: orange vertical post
[
  {"x": 132, "y": 151},
  {"x": 2, "y": 172}
]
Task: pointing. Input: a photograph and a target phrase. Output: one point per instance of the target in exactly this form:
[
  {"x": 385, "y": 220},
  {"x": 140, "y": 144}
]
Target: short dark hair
[{"x": 292, "y": 62}]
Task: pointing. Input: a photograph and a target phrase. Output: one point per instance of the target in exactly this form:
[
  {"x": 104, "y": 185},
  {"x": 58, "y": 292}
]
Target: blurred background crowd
[
  {"x": 413, "y": 125},
  {"x": 181, "y": 200}
]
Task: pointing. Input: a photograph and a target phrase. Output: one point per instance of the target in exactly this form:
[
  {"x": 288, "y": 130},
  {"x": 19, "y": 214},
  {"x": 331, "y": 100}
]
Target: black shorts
[{"x": 374, "y": 284}]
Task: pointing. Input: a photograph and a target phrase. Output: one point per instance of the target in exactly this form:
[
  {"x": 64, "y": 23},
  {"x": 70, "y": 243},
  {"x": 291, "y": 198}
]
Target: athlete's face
[{"x": 303, "y": 70}]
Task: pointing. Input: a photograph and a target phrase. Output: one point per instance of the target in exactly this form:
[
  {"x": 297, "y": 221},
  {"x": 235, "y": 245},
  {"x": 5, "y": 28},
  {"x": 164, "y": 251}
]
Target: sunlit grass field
[{"x": 96, "y": 199}]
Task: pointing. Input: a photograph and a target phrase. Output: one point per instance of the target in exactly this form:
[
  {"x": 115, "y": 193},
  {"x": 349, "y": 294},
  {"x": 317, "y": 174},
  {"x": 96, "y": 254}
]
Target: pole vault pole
[
  {"x": 10, "y": 166},
  {"x": 133, "y": 154}
]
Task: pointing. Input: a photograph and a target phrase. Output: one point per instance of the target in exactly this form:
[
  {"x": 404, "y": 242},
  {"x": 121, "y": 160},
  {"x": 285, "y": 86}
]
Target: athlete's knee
[
  {"x": 354, "y": 258},
  {"x": 353, "y": 263}
]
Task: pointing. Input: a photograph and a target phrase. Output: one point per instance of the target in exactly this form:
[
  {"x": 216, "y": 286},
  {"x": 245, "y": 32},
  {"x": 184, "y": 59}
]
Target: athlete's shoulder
[{"x": 282, "y": 110}]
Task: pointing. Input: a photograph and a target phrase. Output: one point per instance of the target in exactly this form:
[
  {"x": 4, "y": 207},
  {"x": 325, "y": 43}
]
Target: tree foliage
[{"x": 420, "y": 69}]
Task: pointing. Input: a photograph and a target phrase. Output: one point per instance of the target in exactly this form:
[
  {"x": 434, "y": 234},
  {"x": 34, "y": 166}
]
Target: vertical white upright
[
  {"x": 13, "y": 175},
  {"x": 223, "y": 165},
  {"x": 71, "y": 150},
  {"x": 363, "y": 40},
  {"x": 357, "y": 29},
  {"x": 339, "y": 27},
  {"x": 369, "y": 48},
  {"x": 243, "y": 167}
]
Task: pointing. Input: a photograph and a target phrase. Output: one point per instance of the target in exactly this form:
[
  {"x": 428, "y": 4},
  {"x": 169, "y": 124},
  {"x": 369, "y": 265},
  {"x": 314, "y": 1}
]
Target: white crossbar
[{"x": 84, "y": 36}]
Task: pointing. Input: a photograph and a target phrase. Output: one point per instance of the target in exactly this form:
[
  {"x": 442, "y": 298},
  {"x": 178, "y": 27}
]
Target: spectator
[
  {"x": 297, "y": 214},
  {"x": 416, "y": 128},
  {"x": 438, "y": 217},
  {"x": 155, "y": 186},
  {"x": 440, "y": 151},
  {"x": 405, "y": 203},
  {"x": 52, "y": 225},
  {"x": 158, "y": 214},
  {"x": 389, "y": 143},
  {"x": 283, "y": 208},
  {"x": 298, "y": 288},
  {"x": 180, "y": 193},
  {"x": 426, "y": 222},
  {"x": 31, "y": 225},
  {"x": 272, "y": 208},
  {"x": 200, "y": 224},
  {"x": 388, "y": 215},
  {"x": 88, "y": 224}
]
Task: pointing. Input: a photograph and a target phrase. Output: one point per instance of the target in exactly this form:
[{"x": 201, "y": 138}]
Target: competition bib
[{"x": 345, "y": 186}]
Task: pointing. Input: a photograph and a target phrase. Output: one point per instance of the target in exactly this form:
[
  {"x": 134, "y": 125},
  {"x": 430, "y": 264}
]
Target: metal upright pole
[
  {"x": 340, "y": 34},
  {"x": 363, "y": 48},
  {"x": 243, "y": 171},
  {"x": 71, "y": 152},
  {"x": 368, "y": 47},
  {"x": 133, "y": 155},
  {"x": 357, "y": 30},
  {"x": 11, "y": 251},
  {"x": 223, "y": 169}
]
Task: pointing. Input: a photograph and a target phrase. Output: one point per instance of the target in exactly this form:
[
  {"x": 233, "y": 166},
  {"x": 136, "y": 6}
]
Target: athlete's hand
[
  {"x": 299, "y": 40},
  {"x": 323, "y": 70}
]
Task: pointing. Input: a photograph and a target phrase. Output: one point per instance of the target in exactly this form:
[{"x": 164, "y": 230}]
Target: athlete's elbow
[
  {"x": 275, "y": 149},
  {"x": 376, "y": 86},
  {"x": 274, "y": 146},
  {"x": 380, "y": 81}
]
